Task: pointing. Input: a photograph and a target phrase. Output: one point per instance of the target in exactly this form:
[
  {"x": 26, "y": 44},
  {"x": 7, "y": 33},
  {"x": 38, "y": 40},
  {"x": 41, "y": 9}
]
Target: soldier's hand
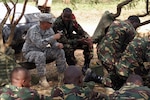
[
  {"x": 85, "y": 40},
  {"x": 60, "y": 45},
  {"x": 57, "y": 36}
]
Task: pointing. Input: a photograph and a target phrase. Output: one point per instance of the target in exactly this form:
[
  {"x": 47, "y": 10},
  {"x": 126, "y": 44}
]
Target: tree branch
[
  {"x": 119, "y": 7},
  {"x": 11, "y": 36}
]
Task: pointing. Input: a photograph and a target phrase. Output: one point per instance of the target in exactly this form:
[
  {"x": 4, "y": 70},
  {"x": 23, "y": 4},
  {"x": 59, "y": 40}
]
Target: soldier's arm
[
  {"x": 79, "y": 30},
  {"x": 36, "y": 38}
]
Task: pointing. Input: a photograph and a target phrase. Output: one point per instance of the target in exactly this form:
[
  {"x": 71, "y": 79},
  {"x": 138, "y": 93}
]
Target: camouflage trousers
[
  {"x": 70, "y": 49},
  {"x": 39, "y": 58}
]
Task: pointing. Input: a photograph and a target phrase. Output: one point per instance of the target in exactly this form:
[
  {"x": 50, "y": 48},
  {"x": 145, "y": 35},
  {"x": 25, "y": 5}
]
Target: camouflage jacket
[
  {"x": 136, "y": 53},
  {"x": 38, "y": 40},
  {"x": 10, "y": 92},
  {"x": 68, "y": 36},
  {"x": 7, "y": 64},
  {"x": 119, "y": 34},
  {"x": 131, "y": 91},
  {"x": 72, "y": 92}
]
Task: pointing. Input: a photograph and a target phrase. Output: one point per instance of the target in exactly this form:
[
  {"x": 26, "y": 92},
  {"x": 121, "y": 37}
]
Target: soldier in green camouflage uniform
[
  {"x": 133, "y": 58},
  {"x": 19, "y": 87},
  {"x": 119, "y": 34},
  {"x": 74, "y": 89},
  {"x": 74, "y": 37},
  {"x": 132, "y": 90},
  {"x": 7, "y": 64},
  {"x": 112, "y": 45}
]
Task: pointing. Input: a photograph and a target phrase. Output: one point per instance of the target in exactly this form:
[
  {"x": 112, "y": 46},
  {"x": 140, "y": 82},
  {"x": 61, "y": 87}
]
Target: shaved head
[
  {"x": 137, "y": 79},
  {"x": 19, "y": 76},
  {"x": 73, "y": 75}
]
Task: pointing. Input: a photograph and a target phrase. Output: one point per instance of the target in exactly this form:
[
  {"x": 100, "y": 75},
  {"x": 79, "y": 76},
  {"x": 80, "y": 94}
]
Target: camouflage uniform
[
  {"x": 131, "y": 91},
  {"x": 133, "y": 58},
  {"x": 40, "y": 46},
  {"x": 7, "y": 64},
  {"x": 109, "y": 49},
  {"x": 72, "y": 92},
  {"x": 10, "y": 92},
  {"x": 69, "y": 39}
]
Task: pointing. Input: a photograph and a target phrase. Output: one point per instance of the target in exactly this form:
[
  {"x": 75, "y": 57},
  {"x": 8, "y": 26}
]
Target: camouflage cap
[{"x": 46, "y": 17}]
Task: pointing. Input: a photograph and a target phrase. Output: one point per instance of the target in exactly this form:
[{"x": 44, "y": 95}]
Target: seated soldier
[
  {"x": 74, "y": 37},
  {"x": 133, "y": 89},
  {"x": 19, "y": 87},
  {"x": 73, "y": 88},
  {"x": 41, "y": 45}
]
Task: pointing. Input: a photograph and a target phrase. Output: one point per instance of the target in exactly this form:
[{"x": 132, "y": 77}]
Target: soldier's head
[
  {"x": 46, "y": 20},
  {"x": 134, "y": 20},
  {"x": 135, "y": 79},
  {"x": 66, "y": 14},
  {"x": 73, "y": 75},
  {"x": 20, "y": 77}
]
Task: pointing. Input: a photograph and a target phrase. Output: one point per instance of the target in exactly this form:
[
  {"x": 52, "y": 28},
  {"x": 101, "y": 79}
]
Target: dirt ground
[{"x": 89, "y": 22}]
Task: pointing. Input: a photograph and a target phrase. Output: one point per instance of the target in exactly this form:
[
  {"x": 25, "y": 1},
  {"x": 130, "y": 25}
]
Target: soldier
[
  {"x": 112, "y": 45},
  {"x": 41, "y": 44},
  {"x": 133, "y": 58},
  {"x": 19, "y": 87},
  {"x": 132, "y": 61},
  {"x": 74, "y": 37},
  {"x": 7, "y": 64},
  {"x": 133, "y": 89},
  {"x": 119, "y": 34},
  {"x": 73, "y": 88}
]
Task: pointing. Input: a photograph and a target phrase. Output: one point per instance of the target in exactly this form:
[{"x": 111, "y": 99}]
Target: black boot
[
  {"x": 86, "y": 65},
  {"x": 84, "y": 68},
  {"x": 91, "y": 76}
]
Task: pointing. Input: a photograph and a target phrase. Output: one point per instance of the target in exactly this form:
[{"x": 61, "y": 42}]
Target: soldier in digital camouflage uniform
[
  {"x": 113, "y": 44},
  {"x": 41, "y": 44},
  {"x": 74, "y": 88},
  {"x": 18, "y": 89},
  {"x": 74, "y": 37},
  {"x": 133, "y": 89}
]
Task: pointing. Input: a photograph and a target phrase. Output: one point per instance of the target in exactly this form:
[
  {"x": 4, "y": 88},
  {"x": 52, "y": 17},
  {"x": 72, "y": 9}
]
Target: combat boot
[
  {"x": 43, "y": 82},
  {"x": 84, "y": 68},
  {"x": 91, "y": 76}
]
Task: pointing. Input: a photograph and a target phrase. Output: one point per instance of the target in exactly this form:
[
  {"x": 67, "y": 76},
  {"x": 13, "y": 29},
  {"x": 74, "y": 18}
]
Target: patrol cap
[{"x": 46, "y": 17}]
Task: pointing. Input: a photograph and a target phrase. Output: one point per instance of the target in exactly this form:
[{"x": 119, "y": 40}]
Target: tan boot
[{"x": 43, "y": 82}]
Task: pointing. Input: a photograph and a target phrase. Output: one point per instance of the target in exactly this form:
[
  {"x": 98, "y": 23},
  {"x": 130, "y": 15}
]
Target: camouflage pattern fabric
[
  {"x": 70, "y": 39},
  {"x": 109, "y": 49},
  {"x": 131, "y": 91},
  {"x": 105, "y": 21},
  {"x": 40, "y": 46},
  {"x": 7, "y": 64},
  {"x": 10, "y": 92},
  {"x": 72, "y": 92},
  {"x": 137, "y": 52}
]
